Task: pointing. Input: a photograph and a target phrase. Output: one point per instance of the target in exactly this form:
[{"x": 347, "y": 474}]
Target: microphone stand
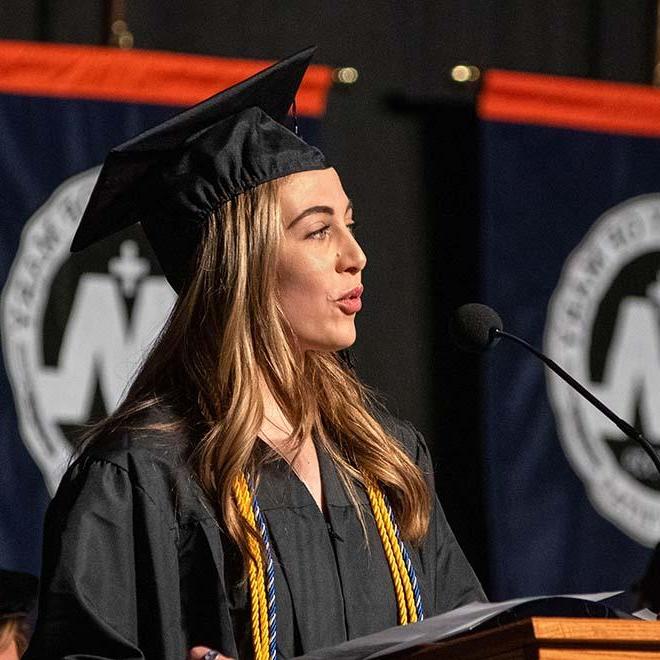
[{"x": 626, "y": 428}]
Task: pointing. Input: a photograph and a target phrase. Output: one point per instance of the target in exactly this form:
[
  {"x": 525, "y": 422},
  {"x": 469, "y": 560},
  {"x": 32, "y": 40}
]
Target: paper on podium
[{"x": 461, "y": 620}]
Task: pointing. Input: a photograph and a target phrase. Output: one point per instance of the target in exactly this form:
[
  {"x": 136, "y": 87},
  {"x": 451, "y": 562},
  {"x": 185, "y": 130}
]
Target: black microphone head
[{"x": 471, "y": 327}]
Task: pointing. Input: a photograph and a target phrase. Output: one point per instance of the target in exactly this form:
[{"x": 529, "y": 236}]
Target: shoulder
[
  {"x": 149, "y": 436},
  {"x": 409, "y": 438},
  {"x": 146, "y": 459}
]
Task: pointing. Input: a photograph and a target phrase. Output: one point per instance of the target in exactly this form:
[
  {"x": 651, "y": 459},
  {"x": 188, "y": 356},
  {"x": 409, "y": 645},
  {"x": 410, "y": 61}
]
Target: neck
[{"x": 275, "y": 429}]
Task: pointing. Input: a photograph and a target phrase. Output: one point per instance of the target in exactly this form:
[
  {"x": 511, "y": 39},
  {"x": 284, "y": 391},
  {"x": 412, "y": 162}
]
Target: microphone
[
  {"x": 475, "y": 328},
  {"x": 472, "y": 327}
]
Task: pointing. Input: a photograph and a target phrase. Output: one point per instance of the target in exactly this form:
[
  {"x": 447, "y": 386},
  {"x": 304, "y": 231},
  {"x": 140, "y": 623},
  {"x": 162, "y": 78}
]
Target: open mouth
[
  {"x": 352, "y": 294},
  {"x": 350, "y": 302}
]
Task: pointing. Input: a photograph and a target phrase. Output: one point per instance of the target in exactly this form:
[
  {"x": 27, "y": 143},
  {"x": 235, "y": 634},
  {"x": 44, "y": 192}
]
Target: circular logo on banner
[
  {"x": 603, "y": 327},
  {"x": 75, "y": 327}
]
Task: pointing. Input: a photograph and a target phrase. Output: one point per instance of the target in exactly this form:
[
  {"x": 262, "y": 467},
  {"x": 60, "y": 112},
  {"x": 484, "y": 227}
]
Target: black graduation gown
[{"x": 135, "y": 564}]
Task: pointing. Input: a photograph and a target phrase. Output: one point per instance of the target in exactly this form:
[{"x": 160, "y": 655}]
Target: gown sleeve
[
  {"x": 109, "y": 585},
  {"x": 454, "y": 583}
]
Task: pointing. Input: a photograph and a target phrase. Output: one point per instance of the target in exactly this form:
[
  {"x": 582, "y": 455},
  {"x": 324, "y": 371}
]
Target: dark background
[{"x": 404, "y": 141}]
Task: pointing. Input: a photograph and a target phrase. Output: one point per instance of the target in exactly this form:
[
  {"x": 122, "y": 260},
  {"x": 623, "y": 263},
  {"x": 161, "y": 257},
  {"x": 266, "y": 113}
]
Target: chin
[
  {"x": 339, "y": 344},
  {"x": 333, "y": 337}
]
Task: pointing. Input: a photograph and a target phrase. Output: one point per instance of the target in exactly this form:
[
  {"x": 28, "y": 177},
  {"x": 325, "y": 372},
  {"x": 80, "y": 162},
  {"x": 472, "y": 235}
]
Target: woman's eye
[
  {"x": 352, "y": 227},
  {"x": 320, "y": 233}
]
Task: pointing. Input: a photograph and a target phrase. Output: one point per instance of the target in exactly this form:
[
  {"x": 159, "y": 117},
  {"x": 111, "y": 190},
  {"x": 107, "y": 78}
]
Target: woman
[{"x": 248, "y": 496}]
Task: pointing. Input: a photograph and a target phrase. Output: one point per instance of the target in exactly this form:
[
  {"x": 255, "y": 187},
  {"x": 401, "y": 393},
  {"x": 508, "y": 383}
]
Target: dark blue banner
[{"x": 571, "y": 261}]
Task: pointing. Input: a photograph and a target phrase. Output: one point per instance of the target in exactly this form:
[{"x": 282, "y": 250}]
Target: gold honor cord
[
  {"x": 262, "y": 616},
  {"x": 257, "y": 582},
  {"x": 403, "y": 589}
]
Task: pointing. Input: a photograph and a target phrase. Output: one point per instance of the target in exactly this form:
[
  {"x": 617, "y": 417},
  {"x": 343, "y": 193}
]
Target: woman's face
[{"x": 320, "y": 264}]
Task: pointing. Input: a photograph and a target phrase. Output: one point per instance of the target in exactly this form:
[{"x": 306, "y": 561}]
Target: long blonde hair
[{"x": 227, "y": 328}]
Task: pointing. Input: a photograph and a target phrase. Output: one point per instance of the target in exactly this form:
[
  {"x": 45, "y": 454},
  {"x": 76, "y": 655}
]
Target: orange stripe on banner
[
  {"x": 138, "y": 76},
  {"x": 576, "y": 103}
]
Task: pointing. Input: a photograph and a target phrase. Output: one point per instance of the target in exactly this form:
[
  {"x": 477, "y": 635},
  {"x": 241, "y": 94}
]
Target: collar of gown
[{"x": 280, "y": 487}]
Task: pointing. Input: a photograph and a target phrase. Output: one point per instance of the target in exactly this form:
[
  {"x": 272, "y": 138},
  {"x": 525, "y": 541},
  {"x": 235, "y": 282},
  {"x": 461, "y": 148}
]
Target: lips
[{"x": 350, "y": 302}]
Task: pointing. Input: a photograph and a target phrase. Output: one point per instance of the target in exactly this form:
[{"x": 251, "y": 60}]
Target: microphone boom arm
[{"x": 621, "y": 424}]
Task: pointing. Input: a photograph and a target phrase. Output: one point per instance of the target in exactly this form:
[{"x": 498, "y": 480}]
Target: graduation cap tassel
[{"x": 294, "y": 114}]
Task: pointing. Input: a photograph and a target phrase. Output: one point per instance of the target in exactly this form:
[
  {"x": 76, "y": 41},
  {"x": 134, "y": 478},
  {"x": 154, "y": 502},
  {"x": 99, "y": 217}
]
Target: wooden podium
[{"x": 549, "y": 638}]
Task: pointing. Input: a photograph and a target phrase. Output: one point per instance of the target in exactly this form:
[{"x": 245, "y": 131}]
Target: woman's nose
[{"x": 350, "y": 255}]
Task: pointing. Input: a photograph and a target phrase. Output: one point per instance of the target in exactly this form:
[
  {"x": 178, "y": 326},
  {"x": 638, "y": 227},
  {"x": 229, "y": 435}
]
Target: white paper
[{"x": 400, "y": 638}]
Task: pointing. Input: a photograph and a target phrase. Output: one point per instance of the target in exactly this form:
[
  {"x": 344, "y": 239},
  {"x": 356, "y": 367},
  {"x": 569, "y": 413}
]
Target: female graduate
[{"x": 248, "y": 496}]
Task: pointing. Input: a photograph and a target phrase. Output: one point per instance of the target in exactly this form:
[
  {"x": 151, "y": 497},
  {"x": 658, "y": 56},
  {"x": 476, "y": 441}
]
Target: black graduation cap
[
  {"x": 18, "y": 593},
  {"x": 171, "y": 177}
]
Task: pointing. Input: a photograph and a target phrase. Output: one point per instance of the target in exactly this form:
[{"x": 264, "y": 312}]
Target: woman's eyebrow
[
  {"x": 328, "y": 210},
  {"x": 311, "y": 211}
]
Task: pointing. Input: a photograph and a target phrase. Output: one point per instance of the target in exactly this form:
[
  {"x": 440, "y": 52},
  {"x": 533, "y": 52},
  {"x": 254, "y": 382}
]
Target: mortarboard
[
  {"x": 18, "y": 593},
  {"x": 171, "y": 177}
]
